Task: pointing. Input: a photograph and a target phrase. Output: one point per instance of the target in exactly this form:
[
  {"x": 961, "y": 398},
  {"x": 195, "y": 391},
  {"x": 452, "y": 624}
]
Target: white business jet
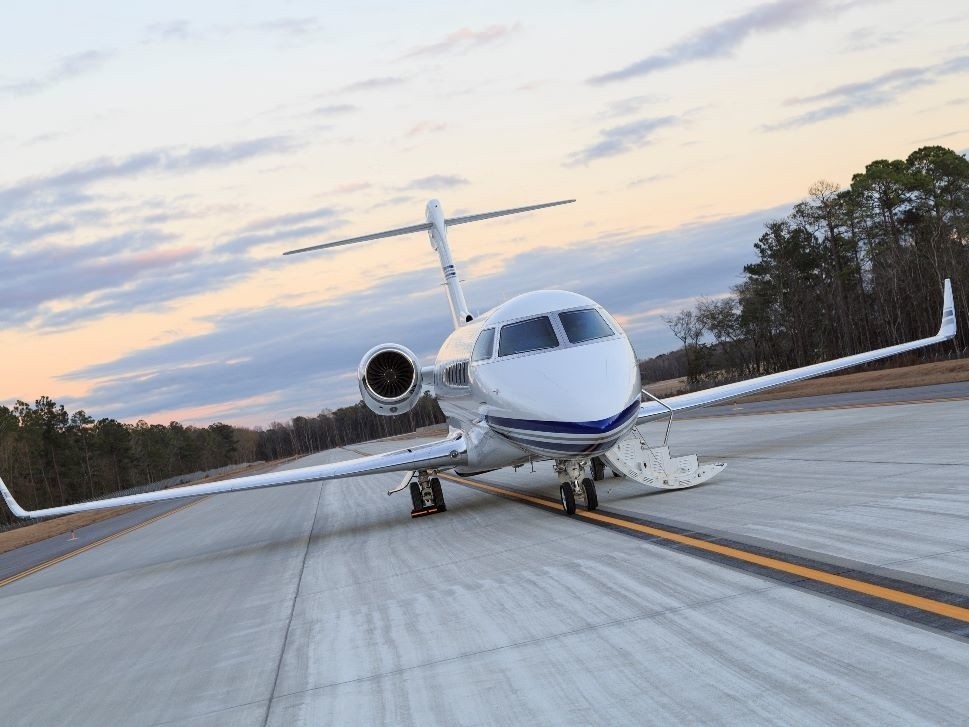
[{"x": 548, "y": 375}]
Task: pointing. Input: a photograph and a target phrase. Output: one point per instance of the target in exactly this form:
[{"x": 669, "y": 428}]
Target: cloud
[
  {"x": 244, "y": 243},
  {"x": 721, "y": 39},
  {"x": 291, "y": 27},
  {"x": 372, "y": 84},
  {"x": 392, "y": 202},
  {"x": 298, "y": 360},
  {"x": 155, "y": 161},
  {"x": 132, "y": 270},
  {"x": 17, "y": 235},
  {"x": 151, "y": 288},
  {"x": 350, "y": 188},
  {"x": 172, "y": 30},
  {"x": 425, "y": 127},
  {"x": 435, "y": 182},
  {"x": 67, "y": 67},
  {"x": 287, "y": 29},
  {"x": 44, "y": 138},
  {"x": 623, "y": 139},
  {"x": 946, "y": 135},
  {"x": 287, "y": 220},
  {"x": 631, "y": 105},
  {"x": 32, "y": 281},
  {"x": 870, "y": 38},
  {"x": 879, "y": 90},
  {"x": 463, "y": 40},
  {"x": 309, "y": 349},
  {"x": 333, "y": 110},
  {"x": 652, "y": 179}
]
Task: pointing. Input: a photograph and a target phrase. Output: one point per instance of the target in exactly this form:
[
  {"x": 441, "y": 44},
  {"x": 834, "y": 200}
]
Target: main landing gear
[
  {"x": 426, "y": 494},
  {"x": 575, "y": 485}
]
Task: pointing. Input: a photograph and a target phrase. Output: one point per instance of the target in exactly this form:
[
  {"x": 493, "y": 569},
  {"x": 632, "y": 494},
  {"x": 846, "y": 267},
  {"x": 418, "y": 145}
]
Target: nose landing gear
[{"x": 575, "y": 485}]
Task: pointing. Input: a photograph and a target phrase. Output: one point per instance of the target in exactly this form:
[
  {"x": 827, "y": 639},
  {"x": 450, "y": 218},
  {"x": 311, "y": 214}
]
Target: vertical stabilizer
[{"x": 438, "y": 234}]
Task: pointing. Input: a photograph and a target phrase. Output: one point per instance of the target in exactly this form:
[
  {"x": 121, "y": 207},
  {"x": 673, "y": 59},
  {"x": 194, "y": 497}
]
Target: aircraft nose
[{"x": 580, "y": 405}]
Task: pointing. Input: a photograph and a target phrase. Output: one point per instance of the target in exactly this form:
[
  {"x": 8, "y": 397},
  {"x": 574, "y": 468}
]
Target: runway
[{"x": 329, "y": 605}]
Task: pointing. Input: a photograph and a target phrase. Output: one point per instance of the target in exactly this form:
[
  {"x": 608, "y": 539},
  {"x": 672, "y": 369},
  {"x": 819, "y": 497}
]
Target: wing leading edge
[
  {"x": 719, "y": 394},
  {"x": 445, "y": 453}
]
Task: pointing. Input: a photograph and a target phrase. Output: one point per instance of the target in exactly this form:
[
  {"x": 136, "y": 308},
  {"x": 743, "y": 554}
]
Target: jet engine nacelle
[{"x": 390, "y": 379}]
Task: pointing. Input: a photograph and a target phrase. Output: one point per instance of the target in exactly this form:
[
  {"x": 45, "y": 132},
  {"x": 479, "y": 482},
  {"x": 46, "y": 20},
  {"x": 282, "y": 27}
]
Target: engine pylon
[{"x": 654, "y": 467}]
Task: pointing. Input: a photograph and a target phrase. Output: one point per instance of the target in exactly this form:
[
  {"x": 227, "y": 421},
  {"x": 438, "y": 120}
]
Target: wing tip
[
  {"x": 13, "y": 504},
  {"x": 948, "y": 328}
]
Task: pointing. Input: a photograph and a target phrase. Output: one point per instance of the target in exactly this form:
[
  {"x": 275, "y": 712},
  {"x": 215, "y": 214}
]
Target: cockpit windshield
[
  {"x": 484, "y": 345},
  {"x": 584, "y": 325},
  {"x": 531, "y": 335}
]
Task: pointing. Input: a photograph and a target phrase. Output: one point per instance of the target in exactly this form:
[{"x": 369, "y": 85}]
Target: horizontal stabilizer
[
  {"x": 425, "y": 226},
  {"x": 501, "y": 213}
]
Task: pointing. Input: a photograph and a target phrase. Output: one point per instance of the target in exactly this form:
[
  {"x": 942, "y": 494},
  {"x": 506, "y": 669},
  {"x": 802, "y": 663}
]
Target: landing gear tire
[
  {"x": 598, "y": 469},
  {"x": 591, "y": 496},
  {"x": 438, "y": 494},
  {"x": 415, "y": 496},
  {"x": 568, "y": 498}
]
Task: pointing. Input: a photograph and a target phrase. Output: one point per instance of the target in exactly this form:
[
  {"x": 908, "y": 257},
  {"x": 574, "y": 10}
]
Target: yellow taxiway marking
[
  {"x": 96, "y": 543},
  {"x": 850, "y": 584}
]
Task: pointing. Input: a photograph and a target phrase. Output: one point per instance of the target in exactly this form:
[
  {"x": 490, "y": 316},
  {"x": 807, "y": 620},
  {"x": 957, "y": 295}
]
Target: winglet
[
  {"x": 948, "y": 327},
  {"x": 11, "y": 503}
]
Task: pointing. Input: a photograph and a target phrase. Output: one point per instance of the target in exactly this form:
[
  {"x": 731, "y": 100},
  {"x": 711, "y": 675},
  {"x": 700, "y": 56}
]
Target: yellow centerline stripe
[
  {"x": 869, "y": 589},
  {"x": 96, "y": 543}
]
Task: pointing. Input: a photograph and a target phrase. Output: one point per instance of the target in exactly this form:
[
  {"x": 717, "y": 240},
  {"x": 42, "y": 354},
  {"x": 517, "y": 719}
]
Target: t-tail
[{"x": 436, "y": 228}]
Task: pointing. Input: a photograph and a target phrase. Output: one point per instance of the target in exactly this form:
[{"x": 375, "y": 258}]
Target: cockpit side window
[
  {"x": 531, "y": 335},
  {"x": 584, "y": 325},
  {"x": 484, "y": 346}
]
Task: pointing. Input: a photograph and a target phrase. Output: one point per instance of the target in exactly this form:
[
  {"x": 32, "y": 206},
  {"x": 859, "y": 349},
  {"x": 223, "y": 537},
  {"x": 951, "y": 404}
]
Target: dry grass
[
  {"x": 28, "y": 534},
  {"x": 940, "y": 372},
  {"x": 667, "y": 387}
]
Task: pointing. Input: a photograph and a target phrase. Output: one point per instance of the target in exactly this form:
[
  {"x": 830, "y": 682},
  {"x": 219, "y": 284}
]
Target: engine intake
[{"x": 390, "y": 379}]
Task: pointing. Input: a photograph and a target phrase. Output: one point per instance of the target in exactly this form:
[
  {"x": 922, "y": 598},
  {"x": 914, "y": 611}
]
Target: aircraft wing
[
  {"x": 435, "y": 455},
  {"x": 652, "y": 410}
]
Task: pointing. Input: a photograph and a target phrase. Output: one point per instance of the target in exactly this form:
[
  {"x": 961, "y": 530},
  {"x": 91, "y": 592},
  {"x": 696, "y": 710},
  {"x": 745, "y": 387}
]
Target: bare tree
[{"x": 687, "y": 327}]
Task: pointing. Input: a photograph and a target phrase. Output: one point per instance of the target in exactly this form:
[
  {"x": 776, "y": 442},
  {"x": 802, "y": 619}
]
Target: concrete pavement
[{"x": 329, "y": 605}]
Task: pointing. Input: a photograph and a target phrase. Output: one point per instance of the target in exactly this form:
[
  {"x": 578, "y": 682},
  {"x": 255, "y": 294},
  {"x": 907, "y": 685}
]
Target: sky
[{"x": 157, "y": 158}]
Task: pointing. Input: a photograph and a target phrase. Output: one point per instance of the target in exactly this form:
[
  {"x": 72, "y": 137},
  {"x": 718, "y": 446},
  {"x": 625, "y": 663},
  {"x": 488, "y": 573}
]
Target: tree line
[
  {"x": 848, "y": 270},
  {"x": 51, "y": 457}
]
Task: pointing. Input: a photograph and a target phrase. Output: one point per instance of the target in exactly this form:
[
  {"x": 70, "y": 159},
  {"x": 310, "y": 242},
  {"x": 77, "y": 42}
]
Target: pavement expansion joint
[{"x": 292, "y": 609}]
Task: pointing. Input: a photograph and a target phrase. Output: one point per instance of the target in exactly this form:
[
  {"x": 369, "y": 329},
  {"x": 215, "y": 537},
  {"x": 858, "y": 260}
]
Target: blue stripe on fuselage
[
  {"x": 564, "y": 447},
  {"x": 602, "y": 426}
]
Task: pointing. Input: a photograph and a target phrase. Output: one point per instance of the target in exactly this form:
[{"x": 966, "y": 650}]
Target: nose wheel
[
  {"x": 591, "y": 496},
  {"x": 567, "y": 497},
  {"x": 575, "y": 485}
]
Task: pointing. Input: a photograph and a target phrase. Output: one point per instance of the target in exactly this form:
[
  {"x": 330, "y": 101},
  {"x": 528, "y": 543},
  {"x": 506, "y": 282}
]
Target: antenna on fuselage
[{"x": 436, "y": 228}]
